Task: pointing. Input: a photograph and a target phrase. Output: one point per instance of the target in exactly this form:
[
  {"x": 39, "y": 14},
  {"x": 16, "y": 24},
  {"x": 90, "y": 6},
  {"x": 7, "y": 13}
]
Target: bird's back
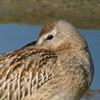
[{"x": 23, "y": 71}]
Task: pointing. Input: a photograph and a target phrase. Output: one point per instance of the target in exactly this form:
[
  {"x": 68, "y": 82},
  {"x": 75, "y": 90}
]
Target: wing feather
[{"x": 25, "y": 70}]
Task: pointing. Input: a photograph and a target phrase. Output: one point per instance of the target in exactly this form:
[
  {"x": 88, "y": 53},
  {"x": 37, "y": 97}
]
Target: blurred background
[
  {"x": 21, "y": 21},
  {"x": 81, "y": 13}
]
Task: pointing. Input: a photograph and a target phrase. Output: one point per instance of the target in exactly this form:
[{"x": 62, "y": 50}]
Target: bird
[
  {"x": 57, "y": 66},
  {"x": 30, "y": 44}
]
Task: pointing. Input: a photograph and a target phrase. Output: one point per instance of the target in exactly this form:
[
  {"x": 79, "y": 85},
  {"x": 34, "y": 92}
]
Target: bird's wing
[{"x": 23, "y": 71}]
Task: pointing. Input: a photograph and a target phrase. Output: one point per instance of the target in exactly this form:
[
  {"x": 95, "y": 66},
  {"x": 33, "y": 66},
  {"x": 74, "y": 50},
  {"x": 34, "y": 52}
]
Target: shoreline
[{"x": 82, "y": 14}]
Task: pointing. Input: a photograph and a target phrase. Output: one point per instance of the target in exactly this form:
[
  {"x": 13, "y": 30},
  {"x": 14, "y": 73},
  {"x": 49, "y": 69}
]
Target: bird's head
[{"x": 60, "y": 36}]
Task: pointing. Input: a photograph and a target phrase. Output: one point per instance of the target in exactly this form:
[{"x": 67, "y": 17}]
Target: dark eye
[{"x": 49, "y": 37}]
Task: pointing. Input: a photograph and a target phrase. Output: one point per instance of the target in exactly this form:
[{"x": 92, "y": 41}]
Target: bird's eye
[{"x": 49, "y": 37}]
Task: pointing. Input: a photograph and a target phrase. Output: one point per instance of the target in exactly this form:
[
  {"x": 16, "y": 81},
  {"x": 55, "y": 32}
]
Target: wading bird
[{"x": 58, "y": 66}]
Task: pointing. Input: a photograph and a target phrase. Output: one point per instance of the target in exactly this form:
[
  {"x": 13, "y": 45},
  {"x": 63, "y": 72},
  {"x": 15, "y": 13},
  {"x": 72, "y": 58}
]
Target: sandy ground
[{"x": 82, "y": 13}]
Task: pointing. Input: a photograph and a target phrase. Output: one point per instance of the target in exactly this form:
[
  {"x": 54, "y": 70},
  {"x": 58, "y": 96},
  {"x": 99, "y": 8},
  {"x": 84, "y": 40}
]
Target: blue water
[{"x": 13, "y": 36}]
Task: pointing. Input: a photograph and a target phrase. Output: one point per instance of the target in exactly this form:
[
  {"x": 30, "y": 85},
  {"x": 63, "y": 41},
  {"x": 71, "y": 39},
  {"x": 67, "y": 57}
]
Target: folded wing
[{"x": 23, "y": 71}]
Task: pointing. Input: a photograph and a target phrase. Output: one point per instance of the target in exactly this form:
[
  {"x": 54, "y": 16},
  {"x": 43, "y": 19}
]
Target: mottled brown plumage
[{"x": 58, "y": 66}]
